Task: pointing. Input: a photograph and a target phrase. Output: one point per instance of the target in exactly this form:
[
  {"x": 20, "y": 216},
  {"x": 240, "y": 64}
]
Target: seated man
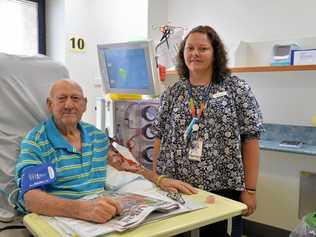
[{"x": 78, "y": 152}]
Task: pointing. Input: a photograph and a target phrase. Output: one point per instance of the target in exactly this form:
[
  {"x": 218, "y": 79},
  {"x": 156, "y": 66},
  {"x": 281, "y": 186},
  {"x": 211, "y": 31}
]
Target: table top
[{"x": 223, "y": 208}]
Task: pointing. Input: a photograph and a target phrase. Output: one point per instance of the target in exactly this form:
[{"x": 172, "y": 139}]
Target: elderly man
[{"x": 78, "y": 153}]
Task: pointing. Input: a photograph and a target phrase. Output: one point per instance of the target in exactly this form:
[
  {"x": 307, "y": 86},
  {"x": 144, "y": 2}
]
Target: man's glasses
[{"x": 176, "y": 197}]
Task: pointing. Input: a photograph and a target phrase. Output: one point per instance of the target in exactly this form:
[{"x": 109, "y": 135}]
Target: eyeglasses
[{"x": 176, "y": 197}]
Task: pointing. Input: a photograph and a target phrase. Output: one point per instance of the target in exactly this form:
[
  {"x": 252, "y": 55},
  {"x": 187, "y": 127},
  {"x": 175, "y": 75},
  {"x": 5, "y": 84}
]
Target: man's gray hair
[{"x": 51, "y": 88}]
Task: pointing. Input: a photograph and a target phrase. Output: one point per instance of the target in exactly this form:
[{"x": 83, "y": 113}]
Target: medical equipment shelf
[
  {"x": 263, "y": 69},
  {"x": 274, "y": 68}
]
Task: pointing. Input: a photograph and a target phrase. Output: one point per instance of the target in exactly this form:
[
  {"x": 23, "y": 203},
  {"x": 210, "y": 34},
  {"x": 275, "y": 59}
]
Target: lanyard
[{"x": 198, "y": 113}]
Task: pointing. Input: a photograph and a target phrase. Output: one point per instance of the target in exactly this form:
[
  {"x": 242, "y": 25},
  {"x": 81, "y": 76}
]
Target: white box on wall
[
  {"x": 252, "y": 54},
  {"x": 303, "y": 57}
]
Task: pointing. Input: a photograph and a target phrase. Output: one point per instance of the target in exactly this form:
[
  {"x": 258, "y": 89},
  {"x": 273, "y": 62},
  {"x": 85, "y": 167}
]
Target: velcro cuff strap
[{"x": 36, "y": 176}]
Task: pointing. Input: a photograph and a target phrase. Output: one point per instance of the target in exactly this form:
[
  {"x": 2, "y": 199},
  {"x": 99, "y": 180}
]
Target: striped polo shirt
[{"x": 78, "y": 173}]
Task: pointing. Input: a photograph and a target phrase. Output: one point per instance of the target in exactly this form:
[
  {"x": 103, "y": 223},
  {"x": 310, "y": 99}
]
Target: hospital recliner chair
[{"x": 24, "y": 84}]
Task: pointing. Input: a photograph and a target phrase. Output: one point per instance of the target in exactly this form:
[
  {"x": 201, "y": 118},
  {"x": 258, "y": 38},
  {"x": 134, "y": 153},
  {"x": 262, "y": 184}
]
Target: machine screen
[{"x": 127, "y": 68}]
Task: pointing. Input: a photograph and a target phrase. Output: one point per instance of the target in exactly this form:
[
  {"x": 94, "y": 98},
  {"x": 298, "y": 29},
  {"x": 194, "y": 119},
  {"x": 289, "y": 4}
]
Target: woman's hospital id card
[{"x": 195, "y": 151}]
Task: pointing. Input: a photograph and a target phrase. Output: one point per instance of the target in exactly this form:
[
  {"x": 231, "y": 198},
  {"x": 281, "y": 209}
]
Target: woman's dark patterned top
[{"x": 229, "y": 118}]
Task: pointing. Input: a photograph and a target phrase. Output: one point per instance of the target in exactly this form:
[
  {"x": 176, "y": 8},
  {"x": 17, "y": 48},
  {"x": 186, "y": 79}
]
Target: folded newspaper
[{"x": 136, "y": 209}]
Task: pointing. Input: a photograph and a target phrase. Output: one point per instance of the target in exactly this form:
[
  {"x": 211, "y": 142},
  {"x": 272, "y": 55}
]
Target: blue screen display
[{"x": 127, "y": 68}]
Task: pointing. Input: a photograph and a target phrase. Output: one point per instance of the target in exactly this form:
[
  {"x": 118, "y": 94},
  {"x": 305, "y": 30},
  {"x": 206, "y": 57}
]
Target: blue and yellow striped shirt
[{"x": 78, "y": 173}]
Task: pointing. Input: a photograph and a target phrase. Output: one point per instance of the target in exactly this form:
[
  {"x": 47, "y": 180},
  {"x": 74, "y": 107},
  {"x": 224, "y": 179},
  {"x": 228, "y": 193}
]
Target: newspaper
[{"x": 136, "y": 209}]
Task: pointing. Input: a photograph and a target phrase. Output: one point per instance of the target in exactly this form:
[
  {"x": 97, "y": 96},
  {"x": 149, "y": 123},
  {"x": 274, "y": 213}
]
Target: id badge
[{"x": 195, "y": 151}]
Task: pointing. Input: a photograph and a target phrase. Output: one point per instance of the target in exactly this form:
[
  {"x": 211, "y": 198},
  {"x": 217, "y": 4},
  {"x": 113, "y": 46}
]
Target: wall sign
[{"x": 77, "y": 44}]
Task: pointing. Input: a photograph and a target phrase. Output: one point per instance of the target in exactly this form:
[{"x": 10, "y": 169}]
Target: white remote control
[{"x": 6, "y": 216}]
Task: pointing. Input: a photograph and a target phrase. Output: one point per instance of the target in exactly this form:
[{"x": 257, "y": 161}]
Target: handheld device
[{"x": 291, "y": 144}]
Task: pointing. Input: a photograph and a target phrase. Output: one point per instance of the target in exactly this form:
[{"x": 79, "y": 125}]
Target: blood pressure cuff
[{"x": 36, "y": 177}]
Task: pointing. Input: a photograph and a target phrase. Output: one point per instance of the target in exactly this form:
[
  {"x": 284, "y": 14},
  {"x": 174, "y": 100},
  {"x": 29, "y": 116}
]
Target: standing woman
[{"x": 208, "y": 126}]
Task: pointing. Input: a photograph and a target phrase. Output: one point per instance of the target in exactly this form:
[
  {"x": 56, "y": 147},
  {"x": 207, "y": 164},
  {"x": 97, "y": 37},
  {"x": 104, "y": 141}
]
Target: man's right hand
[{"x": 100, "y": 210}]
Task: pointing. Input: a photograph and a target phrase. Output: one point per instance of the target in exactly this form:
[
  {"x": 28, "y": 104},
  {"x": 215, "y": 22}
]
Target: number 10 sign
[{"x": 77, "y": 44}]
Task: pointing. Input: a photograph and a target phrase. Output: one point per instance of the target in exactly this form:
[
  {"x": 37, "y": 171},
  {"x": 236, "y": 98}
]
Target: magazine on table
[{"x": 136, "y": 209}]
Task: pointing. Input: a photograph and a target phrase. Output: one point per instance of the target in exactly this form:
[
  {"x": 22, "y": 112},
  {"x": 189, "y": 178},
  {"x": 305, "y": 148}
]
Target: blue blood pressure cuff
[{"x": 36, "y": 176}]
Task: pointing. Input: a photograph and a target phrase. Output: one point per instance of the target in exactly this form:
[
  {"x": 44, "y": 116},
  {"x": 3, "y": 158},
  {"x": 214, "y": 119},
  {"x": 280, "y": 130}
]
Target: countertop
[{"x": 275, "y": 133}]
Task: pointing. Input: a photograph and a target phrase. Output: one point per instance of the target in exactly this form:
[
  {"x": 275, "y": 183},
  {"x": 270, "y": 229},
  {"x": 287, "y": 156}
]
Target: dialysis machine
[
  {"x": 129, "y": 123},
  {"x": 129, "y": 70}
]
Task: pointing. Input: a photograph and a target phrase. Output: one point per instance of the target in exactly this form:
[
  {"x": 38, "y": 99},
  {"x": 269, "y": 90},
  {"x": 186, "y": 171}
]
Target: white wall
[
  {"x": 55, "y": 30},
  {"x": 285, "y": 97},
  {"x": 97, "y": 21},
  {"x": 157, "y": 16},
  {"x": 248, "y": 20}
]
